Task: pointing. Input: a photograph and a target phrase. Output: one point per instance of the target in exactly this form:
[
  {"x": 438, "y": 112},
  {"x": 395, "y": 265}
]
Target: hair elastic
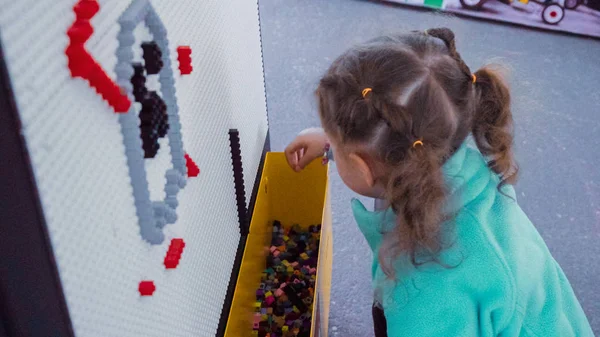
[
  {"x": 366, "y": 91},
  {"x": 474, "y": 78},
  {"x": 417, "y": 142}
]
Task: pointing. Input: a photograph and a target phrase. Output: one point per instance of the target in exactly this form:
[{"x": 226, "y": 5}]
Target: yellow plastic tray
[{"x": 292, "y": 198}]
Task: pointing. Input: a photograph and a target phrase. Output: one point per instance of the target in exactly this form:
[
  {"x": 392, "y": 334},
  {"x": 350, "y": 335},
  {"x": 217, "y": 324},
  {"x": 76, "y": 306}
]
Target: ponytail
[
  {"x": 394, "y": 93},
  {"x": 493, "y": 123},
  {"x": 417, "y": 193}
]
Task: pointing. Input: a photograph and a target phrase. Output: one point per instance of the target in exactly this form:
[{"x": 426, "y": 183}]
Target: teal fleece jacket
[{"x": 502, "y": 281}]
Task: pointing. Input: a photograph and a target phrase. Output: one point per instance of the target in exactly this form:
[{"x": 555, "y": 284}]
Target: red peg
[
  {"x": 184, "y": 56},
  {"x": 82, "y": 64},
  {"x": 86, "y": 9},
  {"x": 174, "y": 253},
  {"x": 192, "y": 168},
  {"x": 146, "y": 288}
]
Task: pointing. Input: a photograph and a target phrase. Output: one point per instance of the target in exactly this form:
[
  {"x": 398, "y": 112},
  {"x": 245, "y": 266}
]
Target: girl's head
[{"x": 395, "y": 109}]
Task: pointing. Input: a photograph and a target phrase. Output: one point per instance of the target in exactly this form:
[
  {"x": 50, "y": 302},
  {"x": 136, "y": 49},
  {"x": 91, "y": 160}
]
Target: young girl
[{"x": 454, "y": 254}]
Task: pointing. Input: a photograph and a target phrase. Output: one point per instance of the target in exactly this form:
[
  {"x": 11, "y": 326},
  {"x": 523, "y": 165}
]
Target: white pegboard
[{"x": 77, "y": 152}]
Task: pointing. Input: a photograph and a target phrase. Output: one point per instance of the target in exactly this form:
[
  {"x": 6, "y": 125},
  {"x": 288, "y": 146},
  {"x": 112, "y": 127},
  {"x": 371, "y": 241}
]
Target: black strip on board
[
  {"x": 238, "y": 179},
  {"x": 32, "y": 301},
  {"x": 241, "y": 246}
]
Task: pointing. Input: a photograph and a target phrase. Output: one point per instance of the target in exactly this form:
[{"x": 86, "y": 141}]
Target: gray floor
[{"x": 556, "y": 89}]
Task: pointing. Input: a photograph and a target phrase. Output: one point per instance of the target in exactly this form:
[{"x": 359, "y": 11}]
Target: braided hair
[
  {"x": 420, "y": 92},
  {"x": 492, "y": 122}
]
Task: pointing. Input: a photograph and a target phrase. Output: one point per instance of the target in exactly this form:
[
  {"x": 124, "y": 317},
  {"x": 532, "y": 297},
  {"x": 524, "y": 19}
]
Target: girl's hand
[{"x": 308, "y": 146}]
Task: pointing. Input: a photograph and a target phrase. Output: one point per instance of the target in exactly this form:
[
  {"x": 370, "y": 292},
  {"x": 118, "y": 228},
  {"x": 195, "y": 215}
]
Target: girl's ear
[{"x": 363, "y": 168}]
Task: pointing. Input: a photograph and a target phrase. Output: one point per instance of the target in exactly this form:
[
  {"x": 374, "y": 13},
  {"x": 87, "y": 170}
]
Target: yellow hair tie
[
  {"x": 474, "y": 78},
  {"x": 417, "y": 142},
  {"x": 366, "y": 91}
]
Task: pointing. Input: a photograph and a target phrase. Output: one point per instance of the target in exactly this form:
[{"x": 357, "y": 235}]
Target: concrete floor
[{"x": 556, "y": 102}]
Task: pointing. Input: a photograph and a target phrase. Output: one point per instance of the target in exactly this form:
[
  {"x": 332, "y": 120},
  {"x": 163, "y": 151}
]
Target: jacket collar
[{"x": 466, "y": 174}]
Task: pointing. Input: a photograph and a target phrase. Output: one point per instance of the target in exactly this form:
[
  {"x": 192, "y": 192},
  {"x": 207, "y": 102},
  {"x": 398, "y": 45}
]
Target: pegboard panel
[{"x": 83, "y": 168}]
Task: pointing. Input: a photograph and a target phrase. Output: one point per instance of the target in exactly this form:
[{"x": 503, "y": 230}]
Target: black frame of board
[{"x": 32, "y": 301}]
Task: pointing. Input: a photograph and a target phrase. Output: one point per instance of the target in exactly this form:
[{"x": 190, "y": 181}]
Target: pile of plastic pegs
[{"x": 284, "y": 301}]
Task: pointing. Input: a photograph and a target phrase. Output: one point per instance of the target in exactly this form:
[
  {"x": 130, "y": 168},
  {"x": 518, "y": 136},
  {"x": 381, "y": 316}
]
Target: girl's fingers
[
  {"x": 307, "y": 147},
  {"x": 297, "y": 157},
  {"x": 292, "y": 153},
  {"x": 308, "y": 157},
  {"x": 295, "y": 145},
  {"x": 292, "y": 159}
]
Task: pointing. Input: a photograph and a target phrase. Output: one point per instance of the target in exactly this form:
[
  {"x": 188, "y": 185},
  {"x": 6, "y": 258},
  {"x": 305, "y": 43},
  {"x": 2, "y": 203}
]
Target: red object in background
[
  {"x": 82, "y": 64},
  {"x": 146, "y": 288},
  {"x": 192, "y": 169},
  {"x": 184, "y": 56},
  {"x": 174, "y": 253}
]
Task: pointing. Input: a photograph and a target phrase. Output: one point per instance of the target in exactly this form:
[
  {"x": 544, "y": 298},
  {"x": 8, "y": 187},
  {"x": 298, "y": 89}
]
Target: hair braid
[
  {"x": 417, "y": 93},
  {"x": 492, "y": 122},
  {"x": 447, "y": 36}
]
